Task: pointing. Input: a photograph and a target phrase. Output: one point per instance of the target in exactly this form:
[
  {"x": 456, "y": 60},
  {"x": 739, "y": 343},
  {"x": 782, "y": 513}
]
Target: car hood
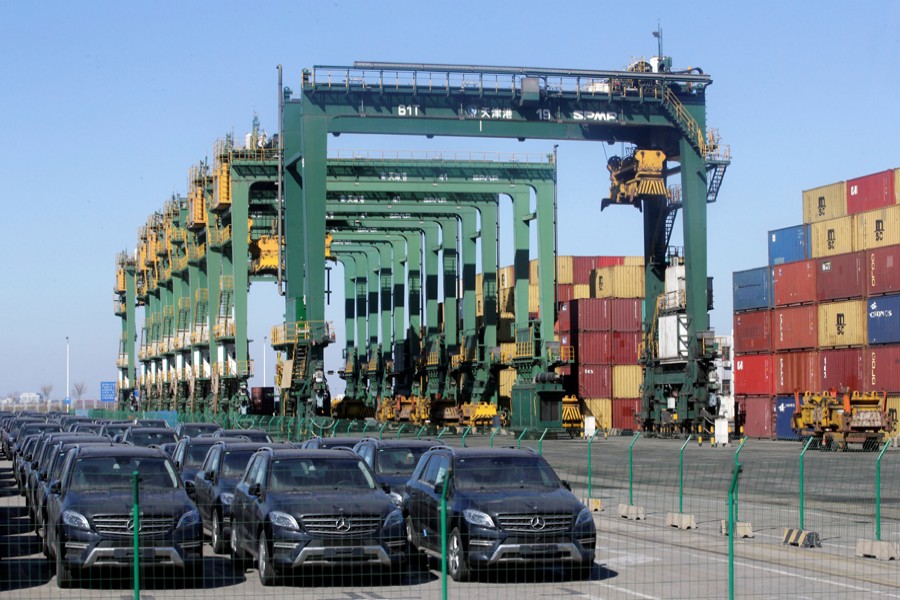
[
  {"x": 397, "y": 483},
  {"x": 121, "y": 502},
  {"x": 327, "y": 502},
  {"x": 519, "y": 501}
]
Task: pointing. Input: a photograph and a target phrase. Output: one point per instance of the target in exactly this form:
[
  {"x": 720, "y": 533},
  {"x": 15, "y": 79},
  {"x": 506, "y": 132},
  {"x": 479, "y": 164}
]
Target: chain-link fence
[{"x": 613, "y": 517}]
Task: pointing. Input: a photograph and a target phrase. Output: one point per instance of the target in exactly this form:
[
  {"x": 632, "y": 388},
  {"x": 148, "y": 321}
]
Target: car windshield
[
  {"x": 302, "y": 474},
  {"x": 193, "y": 430},
  {"x": 90, "y": 427},
  {"x": 97, "y": 474},
  {"x": 254, "y": 436},
  {"x": 398, "y": 461},
  {"x": 493, "y": 472},
  {"x": 116, "y": 429},
  {"x": 196, "y": 454},
  {"x": 139, "y": 437},
  {"x": 235, "y": 462}
]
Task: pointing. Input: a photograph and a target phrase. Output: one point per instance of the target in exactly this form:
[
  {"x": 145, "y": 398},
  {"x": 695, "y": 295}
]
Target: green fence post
[
  {"x": 421, "y": 431},
  {"x": 631, "y": 469},
  {"x": 878, "y": 492},
  {"x": 590, "y": 474},
  {"x": 681, "y": 475},
  {"x": 541, "y": 443},
  {"x": 443, "y": 431},
  {"x": 444, "y": 536},
  {"x": 492, "y": 436},
  {"x": 802, "y": 455},
  {"x": 350, "y": 426},
  {"x": 365, "y": 428},
  {"x": 399, "y": 431},
  {"x": 519, "y": 441},
  {"x": 465, "y": 433},
  {"x": 300, "y": 428},
  {"x": 737, "y": 465},
  {"x": 136, "y": 515},
  {"x": 381, "y": 431},
  {"x": 732, "y": 519}
]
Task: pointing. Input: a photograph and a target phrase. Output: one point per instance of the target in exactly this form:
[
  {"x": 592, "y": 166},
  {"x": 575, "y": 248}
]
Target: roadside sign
[
  {"x": 107, "y": 391},
  {"x": 68, "y": 401}
]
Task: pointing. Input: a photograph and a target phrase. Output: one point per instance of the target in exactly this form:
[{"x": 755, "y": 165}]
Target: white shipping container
[
  {"x": 675, "y": 279},
  {"x": 673, "y": 337}
]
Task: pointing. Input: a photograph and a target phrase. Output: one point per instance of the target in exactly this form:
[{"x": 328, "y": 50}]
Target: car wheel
[
  {"x": 456, "y": 557},
  {"x": 264, "y": 564},
  {"x": 238, "y": 558},
  {"x": 218, "y": 541},
  {"x": 64, "y": 576}
]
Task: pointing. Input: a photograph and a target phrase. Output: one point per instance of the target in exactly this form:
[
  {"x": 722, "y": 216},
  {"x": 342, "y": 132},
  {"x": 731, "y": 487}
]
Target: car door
[
  {"x": 203, "y": 487},
  {"x": 241, "y": 505},
  {"x": 256, "y": 508},
  {"x": 431, "y": 500}
]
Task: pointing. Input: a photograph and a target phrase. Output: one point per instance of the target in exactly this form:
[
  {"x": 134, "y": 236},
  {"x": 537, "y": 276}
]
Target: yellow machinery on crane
[{"x": 842, "y": 419}]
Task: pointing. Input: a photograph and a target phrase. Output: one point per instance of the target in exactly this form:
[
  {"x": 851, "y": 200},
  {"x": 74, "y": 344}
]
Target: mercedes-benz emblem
[
  {"x": 343, "y": 525},
  {"x": 538, "y": 523},
  {"x": 129, "y": 526}
]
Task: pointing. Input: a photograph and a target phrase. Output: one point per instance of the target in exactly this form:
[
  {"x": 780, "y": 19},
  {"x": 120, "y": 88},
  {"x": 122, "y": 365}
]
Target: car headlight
[
  {"x": 191, "y": 517},
  {"x": 280, "y": 519},
  {"x": 74, "y": 519},
  {"x": 393, "y": 519},
  {"x": 584, "y": 516},
  {"x": 227, "y": 497},
  {"x": 478, "y": 518},
  {"x": 397, "y": 499}
]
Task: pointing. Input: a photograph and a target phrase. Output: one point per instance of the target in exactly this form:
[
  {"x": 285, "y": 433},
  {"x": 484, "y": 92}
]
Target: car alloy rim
[
  {"x": 215, "y": 529},
  {"x": 234, "y": 546},
  {"x": 454, "y": 554},
  {"x": 263, "y": 558}
]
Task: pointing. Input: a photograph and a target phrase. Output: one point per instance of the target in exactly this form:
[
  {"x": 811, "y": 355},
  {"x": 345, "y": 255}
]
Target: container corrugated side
[
  {"x": 753, "y": 331},
  {"x": 564, "y": 293},
  {"x": 564, "y": 272},
  {"x": 564, "y": 316},
  {"x": 506, "y": 277},
  {"x": 626, "y": 381},
  {"x": 883, "y": 319},
  {"x": 835, "y": 236},
  {"x": 752, "y": 289},
  {"x": 754, "y": 374},
  {"x": 841, "y": 369},
  {"x": 625, "y": 313},
  {"x": 789, "y": 244},
  {"x": 785, "y": 406},
  {"x": 590, "y": 314},
  {"x": 870, "y": 192},
  {"x": 594, "y": 381},
  {"x": 624, "y": 347},
  {"x": 842, "y": 324},
  {"x": 795, "y": 328},
  {"x": 507, "y": 378},
  {"x": 882, "y": 369},
  {"x": 581, "y": 291},
  {"x": 583, "y": 265},
  {"x": 796, "y": 371},
  {"x": 618, "y": 282},
  {"x": 841, "y": 276},
  {"x": 506, "y": 301},
  {"x": 883, "y": 270},
  {"x": 825, "y": 202},
  {"x": 795, "y": 283},
  {"x": 878, "y": 228},
  {"x": 759, "y": 415},
  {"x": 591, "y": 347},
  {"x": 601, "y": 410},
  {"x": 626, "y": 413},
  {"x": 534, "y": 298}
]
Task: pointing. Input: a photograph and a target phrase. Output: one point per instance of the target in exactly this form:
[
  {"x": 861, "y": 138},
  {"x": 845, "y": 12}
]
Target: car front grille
[
  {"x": 123, "y": 525},
  {"x": 340, "y": 524},
  {"x": 535, "y": 523}
]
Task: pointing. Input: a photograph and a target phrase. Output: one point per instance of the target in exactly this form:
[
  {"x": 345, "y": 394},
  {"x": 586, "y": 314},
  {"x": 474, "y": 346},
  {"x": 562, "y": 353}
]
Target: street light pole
[
  {"x": 265, "y": 345},
  {"x": 67, "y": 372}
]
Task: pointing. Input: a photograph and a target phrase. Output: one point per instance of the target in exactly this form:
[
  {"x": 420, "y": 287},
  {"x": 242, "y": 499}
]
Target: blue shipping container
[
  {"x": 784, "y": 410},
  {"x": 753, "y": 289},
  {"x": 884, "y": 319},
  {"x": 790, "y": 244}
]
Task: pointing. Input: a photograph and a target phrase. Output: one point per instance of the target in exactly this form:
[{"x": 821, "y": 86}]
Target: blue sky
[{"x": 105, "y": 105}]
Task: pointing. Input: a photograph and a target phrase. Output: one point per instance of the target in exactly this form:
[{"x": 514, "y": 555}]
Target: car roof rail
[
  {"x": 527, "y": 448},
  {"x": 345, "y": 448},
  {"x": 439, "y": 447}
]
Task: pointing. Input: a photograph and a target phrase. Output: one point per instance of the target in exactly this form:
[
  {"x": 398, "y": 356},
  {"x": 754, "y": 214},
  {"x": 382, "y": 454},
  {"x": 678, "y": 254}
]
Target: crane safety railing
[
  {"x": 367, "y": 156},
  {"x": 196, "y": 251},
  {"x": 224, "y": 330},
  {"x": 291, "y": 333}
]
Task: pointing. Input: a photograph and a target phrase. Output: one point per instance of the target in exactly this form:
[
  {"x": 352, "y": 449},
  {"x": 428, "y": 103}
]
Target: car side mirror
[
  {"x": 567, "y": 485},
  {"x": 34, "y": 464},
  {"x": 256, "y": 490},
  {"x": 42, "y": 476},
  {"x": 178, "y": 465},
  {"x": 55, "y": 487},
  {"x": 386, "y": 488},
  {"x": 439, "y": 487},
  {"x": 208, "y": 475}
]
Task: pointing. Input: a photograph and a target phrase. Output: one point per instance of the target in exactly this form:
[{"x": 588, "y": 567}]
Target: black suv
[
  {"x": 89, "y": 512},
  {"x": 254, "y": 435},
  {"x": 329, "y": 443},
  {"x": 393, "y": 460},
  {"x": 195, "y": 429},
  {"x": 503, "y": 506},
  {"x": 189, "y": 454},
  {"x": 148, "y": 436},
  {"x": 296, "y": 508},
  {"x": 215, "y": 481}
]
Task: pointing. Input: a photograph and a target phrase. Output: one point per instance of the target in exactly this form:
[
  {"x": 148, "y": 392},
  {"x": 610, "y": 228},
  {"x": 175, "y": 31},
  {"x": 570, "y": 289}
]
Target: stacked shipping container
[{"x": 825, "y": 312}]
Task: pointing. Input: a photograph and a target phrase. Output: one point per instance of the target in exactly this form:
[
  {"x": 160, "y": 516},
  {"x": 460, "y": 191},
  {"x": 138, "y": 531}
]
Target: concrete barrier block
[
  {"x": 631, "y": 512},
  {"x": 742, "y": 529},
  {"x": 801, "y": 538},
  {"x": 593, "y": 504},
  {"x": 681, "y": 521},
  {"x": 877, "y": 550}
]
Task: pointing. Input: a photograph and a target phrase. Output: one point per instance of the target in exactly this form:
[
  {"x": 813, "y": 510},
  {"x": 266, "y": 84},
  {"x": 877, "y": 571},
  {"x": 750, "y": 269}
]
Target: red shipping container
[
  {"x": 564, "y": 317},
  {"x": 594, "y": 381},
  {"x": 881, "y": 369},
  {"x": 795, "y": 328},
  {"x": 626, "y": 313},
  {"x": 591, "y": 314},
  {"x": 760, "y": 415},
  {"x": 797, "y": 370},
  {"x": 841, "y": 276},
  {"x": 565, "y": 292},
  {"x": 795, "y": 283},
  {"x": 753, "y": 331},
  {"x": 624, "y": 347},
  {"x": 870, "y": 192},
  {"x": 592, "y": 347},
  {"x": 883, "y": 269},
  {"x": 626, "y": 413},
  {"x": 754, "y": 374},
  {"x": 841, "y": 369}
]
